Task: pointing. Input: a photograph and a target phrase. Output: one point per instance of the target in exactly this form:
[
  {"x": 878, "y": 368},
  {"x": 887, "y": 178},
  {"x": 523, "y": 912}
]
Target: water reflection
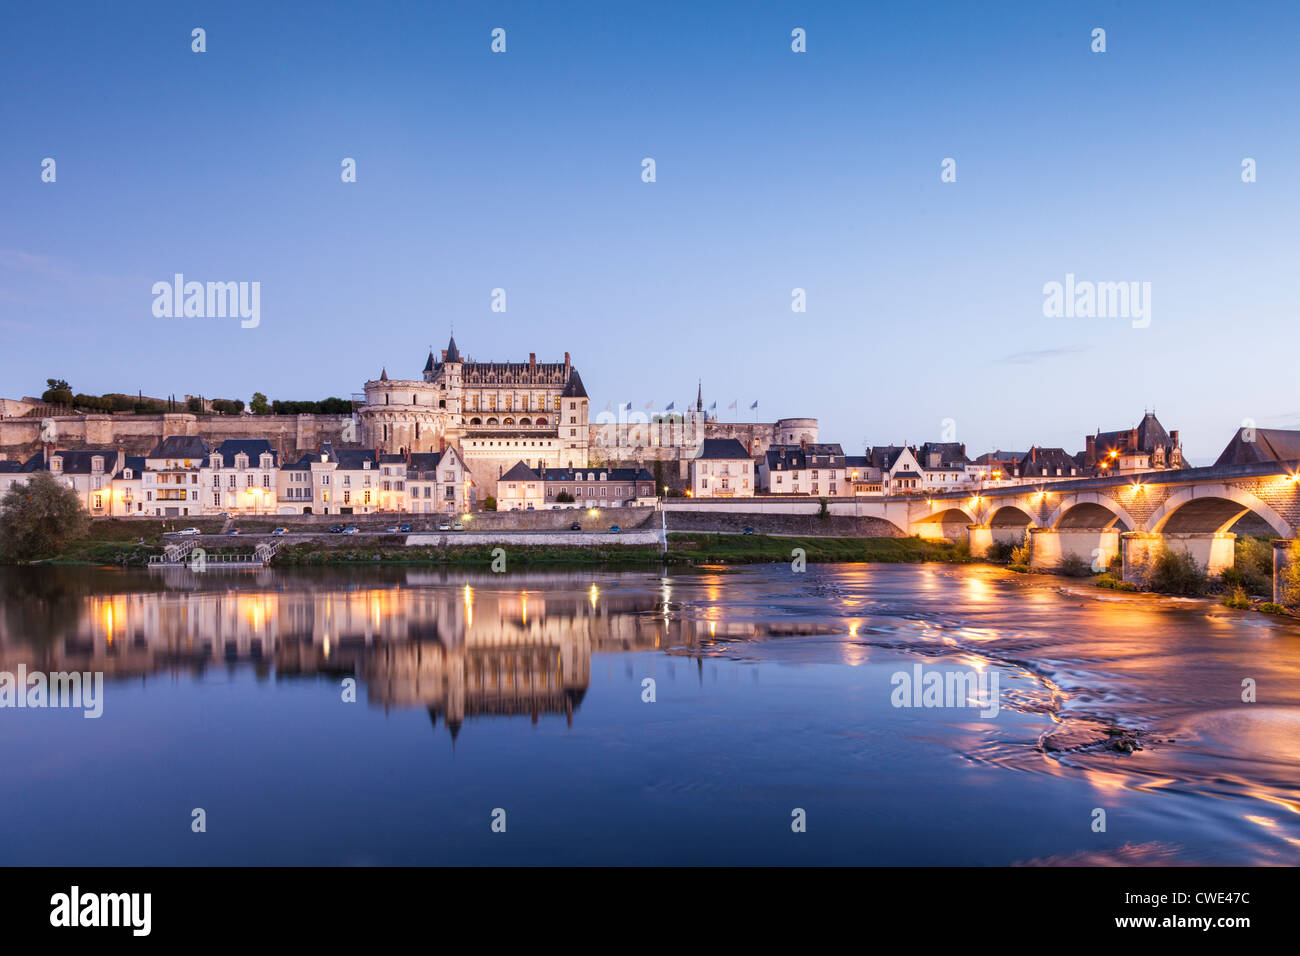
[
  {"x": 460, "y": 645},
  {"x": 1215, "y": 780}
]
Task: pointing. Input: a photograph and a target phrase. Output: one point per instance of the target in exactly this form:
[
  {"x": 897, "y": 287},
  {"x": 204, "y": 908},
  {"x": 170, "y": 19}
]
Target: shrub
[
  {"x": 1074, "y": 566},
  {"x": 1114, "y": 583},
  {"x": 1252, "y": 566},
  {"x": 1290, "y": 583},
  {"x": 1021, "y": 553},
  {"x": 1237, "y": 598},
  {"x": 564, "y": 498},
  {"x": 824, "y": 511},
  {"x": 1269, "y": 607},
  {"x": 1176, "y": 572},
  {"x": 490, "y": 503},
  {"x": 999, "y": 552}
]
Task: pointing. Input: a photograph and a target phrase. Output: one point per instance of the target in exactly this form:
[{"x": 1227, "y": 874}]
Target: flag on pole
[
  {"x": 670, "y": 406},
  {"x": 755, "y": 405},
  {"x": 733, "y": 404},
  {"x": 650, "y": 404},
  {"x": 713, "y": 407}
]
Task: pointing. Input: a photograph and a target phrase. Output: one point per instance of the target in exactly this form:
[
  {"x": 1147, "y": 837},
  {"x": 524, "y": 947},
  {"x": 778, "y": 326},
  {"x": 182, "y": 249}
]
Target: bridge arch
[
  {"x": 1012, "y": 514},
  {"x": 1213, "y": 508},
  {"x": 941, "y": 519},
  {"x": 1092, "y": 511}
]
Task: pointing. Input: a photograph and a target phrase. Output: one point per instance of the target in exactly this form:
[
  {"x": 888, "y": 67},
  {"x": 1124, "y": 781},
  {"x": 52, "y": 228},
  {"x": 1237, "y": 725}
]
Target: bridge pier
[
  {"x": 1049, "y": 547},
  {"x": 981, "y": 539},
  {"x": 1284, "y": 555},
  {"x": 1215, "y": 551}
]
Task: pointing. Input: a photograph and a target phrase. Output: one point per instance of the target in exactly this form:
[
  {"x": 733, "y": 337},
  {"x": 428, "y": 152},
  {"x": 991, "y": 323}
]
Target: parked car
[
  {"x": 614, "y": 529},
  {"x": 529, "y": 508},
  {"x": 444, "y": 526},
  {"x": 391, "y": 529},
  {"x": 748, "y": 531},
  {"x": 336, "y": 529},
  {"x": 458, "y": 527},
  {"x": 280, "y": 531},
  {"x": 233, "y": 531},
  {"x": 188, "y": 531},
  {"x": 404, "y": 528},
  {"x": 575, "y": 527},
  {"x": 350, "y": 529}
]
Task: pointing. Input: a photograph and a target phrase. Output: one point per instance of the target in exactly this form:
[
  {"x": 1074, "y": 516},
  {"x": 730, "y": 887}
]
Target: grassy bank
[{"x": 701, "y": 548}]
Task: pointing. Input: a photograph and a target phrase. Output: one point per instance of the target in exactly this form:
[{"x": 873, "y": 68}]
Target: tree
[
  {"x": 226, "y": 406},
  {"x": 259, "y": 405},
  {"x": 57, "y": 396},
  {"x": 489, "y": 503},
  {"x": 564, "y": 498},
  {"x": 58, "y": 384},
  {"x": 38, "y": 517}
]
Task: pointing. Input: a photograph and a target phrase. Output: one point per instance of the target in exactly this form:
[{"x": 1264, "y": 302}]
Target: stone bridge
[{"x": 1199, "y": 510}]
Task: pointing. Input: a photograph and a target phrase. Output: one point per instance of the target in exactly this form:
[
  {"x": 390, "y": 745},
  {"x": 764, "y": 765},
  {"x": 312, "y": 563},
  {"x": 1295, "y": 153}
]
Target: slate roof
[
  {"x": 727, "y": 449},
  {"x": 574, "y": 387},
  {"x": 254, "y": 448},
  {"x": 182, "y": 446},
  {"x": 15, "y": 467},
  {"x": 884, "y": 456},
  {"x": 1150, "y": 433},
  {"x": 952, "y": 454},
  {"x": 133, "y": 462},
  {"x": 611, "y": 474},
  {"x": 1270, "y": 444},
  {"x": 520, "y": 472},
  {"x": 1036, "y": 459},
  {"x": 78, "y": 461},
  {"x": 425, "y": 462}
]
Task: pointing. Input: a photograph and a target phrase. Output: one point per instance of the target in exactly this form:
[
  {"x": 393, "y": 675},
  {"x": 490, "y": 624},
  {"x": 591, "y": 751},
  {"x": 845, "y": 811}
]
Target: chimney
[
  {"x": 1173, "y": 438},
  {"x": 803, "y": 444},
  {"x": 532, "y": 360},
  {"x": 566, "y": 362},
  {"x": 1033, "y": 453},
  {"x": 444, "y": 355},
  {"x": 1091, "y": 445}
]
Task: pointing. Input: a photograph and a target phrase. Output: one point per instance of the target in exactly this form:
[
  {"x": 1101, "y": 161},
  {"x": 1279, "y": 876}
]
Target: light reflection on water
[{"x": 514, "y": 674}]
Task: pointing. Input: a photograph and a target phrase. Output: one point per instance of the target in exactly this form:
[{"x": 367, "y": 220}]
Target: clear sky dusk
[{"x": 775, "y": 170}]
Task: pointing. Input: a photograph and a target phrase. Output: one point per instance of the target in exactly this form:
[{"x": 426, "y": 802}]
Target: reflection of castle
[{"x": 461, "y": 645}]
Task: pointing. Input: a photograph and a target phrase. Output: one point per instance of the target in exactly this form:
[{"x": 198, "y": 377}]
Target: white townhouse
[
  {"x": 722, "y": 469},
  {"x": 818, "y": 469},
  {"x": 240, "y": 477},
  {"x": 89, "y": 472},
  {"x": 171, "y": 476}
]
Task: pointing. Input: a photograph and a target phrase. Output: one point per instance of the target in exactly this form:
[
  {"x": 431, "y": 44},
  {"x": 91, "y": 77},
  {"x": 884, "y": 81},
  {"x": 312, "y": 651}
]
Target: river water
[{"x": 522, "y": 702}]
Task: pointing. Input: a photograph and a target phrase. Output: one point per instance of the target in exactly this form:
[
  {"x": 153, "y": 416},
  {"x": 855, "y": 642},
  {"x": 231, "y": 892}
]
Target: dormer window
[
  {"x": 97, "y": 463},
  {"x": 265, "y": 461},
  {"x": 126, "y": 473},
  {"x": 241, "y": 462}
]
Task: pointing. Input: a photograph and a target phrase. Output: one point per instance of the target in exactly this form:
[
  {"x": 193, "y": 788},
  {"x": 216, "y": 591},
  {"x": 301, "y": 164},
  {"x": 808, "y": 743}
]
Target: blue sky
[{"x": 775, "y": 170}]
